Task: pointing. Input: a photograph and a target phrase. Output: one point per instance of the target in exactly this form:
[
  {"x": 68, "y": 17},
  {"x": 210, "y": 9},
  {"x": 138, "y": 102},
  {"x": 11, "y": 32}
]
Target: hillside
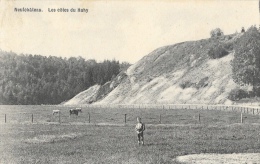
[
  {"x": 86, "y": 96},
  {"x": 35, "y": 79},
  {"x": 180, "y": 73}
]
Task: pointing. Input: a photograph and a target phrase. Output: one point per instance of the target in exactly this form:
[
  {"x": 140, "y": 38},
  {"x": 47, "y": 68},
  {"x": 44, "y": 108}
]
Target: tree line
[{"x": 36, "y": 79}]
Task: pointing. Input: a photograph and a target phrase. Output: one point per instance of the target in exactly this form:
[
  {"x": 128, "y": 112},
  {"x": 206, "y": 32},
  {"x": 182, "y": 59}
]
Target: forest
[{"x": 35, "y": 79}]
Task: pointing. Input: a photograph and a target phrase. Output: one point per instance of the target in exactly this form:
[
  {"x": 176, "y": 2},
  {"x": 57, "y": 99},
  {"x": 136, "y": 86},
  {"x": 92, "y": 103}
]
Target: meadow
[
  {"x": 110, "y": 115},
  {"x": 107, "y": 139}
]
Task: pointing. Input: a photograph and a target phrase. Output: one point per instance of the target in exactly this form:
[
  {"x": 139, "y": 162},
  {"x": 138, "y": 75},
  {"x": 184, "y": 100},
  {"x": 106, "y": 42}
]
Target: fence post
[
  {"x": 88, "y": 117},
  {"x": 160, "y": 119},
  {"x": 125, "y": 118},
  {"x": 253, "y": 111},
  {"x": 59, "y": 117},
  {"x": 5, "y": 118},
  {"x": 241, "y": 118},
  {"x": 199, "y": 117},
  {"x": 32, "y": 118}
]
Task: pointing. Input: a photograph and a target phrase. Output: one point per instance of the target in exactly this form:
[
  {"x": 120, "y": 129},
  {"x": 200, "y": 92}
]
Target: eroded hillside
[{"x": 180, "y": 73}]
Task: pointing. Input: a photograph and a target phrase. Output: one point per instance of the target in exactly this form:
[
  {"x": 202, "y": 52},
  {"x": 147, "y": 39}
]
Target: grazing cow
[
  {"x": 75, "y": 111},
  {"x": 55, "y": 112}
]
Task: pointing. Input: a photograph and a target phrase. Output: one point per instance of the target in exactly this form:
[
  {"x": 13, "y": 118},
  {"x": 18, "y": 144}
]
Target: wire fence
[
  {"x": 127, "y": 114},
  {"x": 234, "y": 108}
]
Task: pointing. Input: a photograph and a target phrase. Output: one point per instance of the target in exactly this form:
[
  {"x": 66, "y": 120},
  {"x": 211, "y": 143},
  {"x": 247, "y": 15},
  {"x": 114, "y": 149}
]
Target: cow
[
  {"x": 75, "y": 111},
  {"x": 55, "y": 112}
]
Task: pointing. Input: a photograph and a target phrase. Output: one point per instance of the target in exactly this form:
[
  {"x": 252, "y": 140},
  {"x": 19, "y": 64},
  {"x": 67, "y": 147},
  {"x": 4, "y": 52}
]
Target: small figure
[
  {"x": 243, "y": 30},
  {"x": 139, "y": 128}
]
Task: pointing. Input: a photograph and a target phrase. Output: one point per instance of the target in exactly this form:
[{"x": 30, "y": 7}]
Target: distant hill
[
  {"x": 180, "y": 73},
  {"x": 36, "y": 79}
]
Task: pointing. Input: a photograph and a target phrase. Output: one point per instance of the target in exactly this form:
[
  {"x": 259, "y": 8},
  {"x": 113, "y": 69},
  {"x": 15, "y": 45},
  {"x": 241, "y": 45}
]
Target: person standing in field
[{"x": 140, "y": 128}]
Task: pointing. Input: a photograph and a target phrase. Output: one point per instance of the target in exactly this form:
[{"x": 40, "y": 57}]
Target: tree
[
  {"x": 124, "y": 66},
  {"x": 246, "y": 63},
  {"x": 216, "y": 32},
  {"x": 36, "y": 79}
]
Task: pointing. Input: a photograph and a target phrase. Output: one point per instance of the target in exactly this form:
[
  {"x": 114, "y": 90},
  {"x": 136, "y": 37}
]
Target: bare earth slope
[
  {"x": 180, "y": 73},
  {"x": 220, "y": 158},
  {"x": 85, "y": 97}
]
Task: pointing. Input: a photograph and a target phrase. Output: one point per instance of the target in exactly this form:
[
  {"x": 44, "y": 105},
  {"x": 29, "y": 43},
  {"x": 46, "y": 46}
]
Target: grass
[
  {"x": 218, "y": 132},
  {"x": 106, "y": 144},
  {"x": 43, "y": 114}
]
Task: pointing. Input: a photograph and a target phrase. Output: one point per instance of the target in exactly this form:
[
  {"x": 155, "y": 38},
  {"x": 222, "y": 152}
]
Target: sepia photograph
[{"x": 130, "y": 82}]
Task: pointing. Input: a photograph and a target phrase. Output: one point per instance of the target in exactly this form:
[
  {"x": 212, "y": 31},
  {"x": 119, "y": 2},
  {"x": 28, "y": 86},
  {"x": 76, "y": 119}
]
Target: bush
[
  {"x": 202, "y": 83},
  {"x": 216, "y": 32},
  {"x": 217, "y": 52},
  {"x": 237, "y": 94},
  {"x": 229, "y": 46},
  {"x": 186, "y": 84}
]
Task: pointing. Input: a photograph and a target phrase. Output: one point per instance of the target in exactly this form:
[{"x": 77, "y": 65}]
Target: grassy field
[
  {"x": 43, "y": 114},
  {"x": 181, "y": 133}
]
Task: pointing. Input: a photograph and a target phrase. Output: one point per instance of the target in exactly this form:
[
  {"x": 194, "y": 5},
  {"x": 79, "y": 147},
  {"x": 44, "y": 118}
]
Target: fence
[
  {"x": 236, "y": 108},
  {"x": 151, "y": 114}
]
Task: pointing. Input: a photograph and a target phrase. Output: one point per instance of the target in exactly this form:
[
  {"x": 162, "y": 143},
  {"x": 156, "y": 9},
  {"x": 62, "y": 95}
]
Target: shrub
[
  {"x": 217, "y": 52},
  {"x": 237, "y": 94},
  {"x": 186, "y": 84},
  {"x": 202, "y": 83},
  {"x": 216, "y": 32},
  {"x": 229, "y": 46},
  {"x": 254, "y": 92}
]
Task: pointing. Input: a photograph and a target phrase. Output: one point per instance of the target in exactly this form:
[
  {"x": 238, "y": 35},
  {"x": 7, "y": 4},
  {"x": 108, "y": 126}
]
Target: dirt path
[{"x": 245, "y": 158}]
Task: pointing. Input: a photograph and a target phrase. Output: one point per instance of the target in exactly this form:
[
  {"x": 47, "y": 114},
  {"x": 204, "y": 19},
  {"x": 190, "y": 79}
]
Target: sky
[{"x": 121, "y": 30}]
